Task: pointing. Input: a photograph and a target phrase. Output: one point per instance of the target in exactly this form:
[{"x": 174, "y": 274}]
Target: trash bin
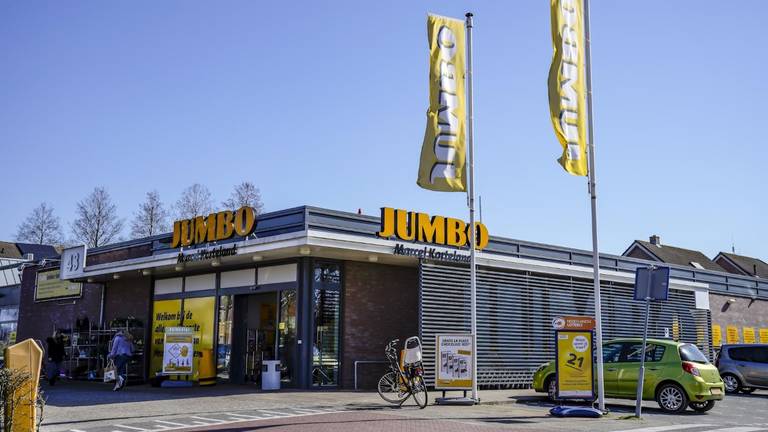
[{"x": 270, "y": 375}]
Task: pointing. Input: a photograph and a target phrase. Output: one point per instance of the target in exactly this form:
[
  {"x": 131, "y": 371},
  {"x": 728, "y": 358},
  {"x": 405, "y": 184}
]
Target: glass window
[
  {"x": 326, "y": 314},
  {"x": 653, "y": 352},
  {"x": 224, "y": 345},
  {"x": 166, "y": 313},
  {"x": 689, "y": 352},
  {"x": 747, "y": 354},
  {"x": 199, "y": 314},
  {"x": 287, "y": 335},
  {"x": 611, "y": 352}
]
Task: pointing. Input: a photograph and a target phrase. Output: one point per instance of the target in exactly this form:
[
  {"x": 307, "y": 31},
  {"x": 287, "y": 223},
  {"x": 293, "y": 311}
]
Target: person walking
[
  {"x": 55, "y": 357},
  {"x": 122, "y": 350}
]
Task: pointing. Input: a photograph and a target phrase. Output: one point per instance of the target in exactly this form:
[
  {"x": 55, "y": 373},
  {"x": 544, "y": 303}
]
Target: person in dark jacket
[{"x": 55, "y": 357}]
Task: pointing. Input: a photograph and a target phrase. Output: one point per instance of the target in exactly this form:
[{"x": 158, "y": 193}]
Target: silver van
[{"x": 744, "y": 367}]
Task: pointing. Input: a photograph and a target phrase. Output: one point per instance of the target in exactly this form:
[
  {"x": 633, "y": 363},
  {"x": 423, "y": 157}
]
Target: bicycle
[{"x": 404, "y": 379}]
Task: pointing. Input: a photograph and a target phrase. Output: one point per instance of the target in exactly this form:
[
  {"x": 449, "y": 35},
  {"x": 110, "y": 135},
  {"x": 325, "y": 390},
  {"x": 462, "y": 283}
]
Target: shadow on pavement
[
  {"x": 80, "y": 393},
  {"x": 613, "y": 406}
]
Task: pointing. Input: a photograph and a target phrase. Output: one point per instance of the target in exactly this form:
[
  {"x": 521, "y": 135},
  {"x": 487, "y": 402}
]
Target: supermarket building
[{"x": 323, "y": 291}]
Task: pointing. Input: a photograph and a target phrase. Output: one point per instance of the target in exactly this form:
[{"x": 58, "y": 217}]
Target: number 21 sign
[{"x": 574, "y": 358}]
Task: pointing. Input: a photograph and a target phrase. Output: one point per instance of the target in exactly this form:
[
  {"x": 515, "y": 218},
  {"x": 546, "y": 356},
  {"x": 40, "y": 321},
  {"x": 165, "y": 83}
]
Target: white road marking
[
  {"x": 245, "y": 416},
  {"x": 208, "y": 419},
  {"x": 666, "y": 428},
  {"x": 171, "y": 423},
  {"x": 739, "y": 429},
  {"x": 275, "y": 413},
  {"x": 129, "y": 427}
]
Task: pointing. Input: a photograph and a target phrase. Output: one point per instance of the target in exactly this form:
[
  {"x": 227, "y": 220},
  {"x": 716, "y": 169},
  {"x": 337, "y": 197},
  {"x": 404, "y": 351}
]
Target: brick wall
[
  {"x": 37, "y": 320},
  {"x": 380, "y": 303},
  {"x": 128, "y": 298},
  {"x": 120, "y": 254},
  {"x": 743, "y": 312}
]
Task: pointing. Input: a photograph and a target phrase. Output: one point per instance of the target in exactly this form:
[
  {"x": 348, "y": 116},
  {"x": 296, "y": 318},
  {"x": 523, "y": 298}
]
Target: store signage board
[
  {"x": 72, "y": 263},
  {"x": 453, "y": 361},
  {"x": 178, "y": 351},
  {"x": 49, "y": 286},
  {"x": 410, "y": 226},
  {"x": 431, "y": 253},
  {"x": 214, "y": 227},
  {"x": 206, "y": 254},
  {"x": 574, "y": 363},
  {"x": 717, "y": 335}
]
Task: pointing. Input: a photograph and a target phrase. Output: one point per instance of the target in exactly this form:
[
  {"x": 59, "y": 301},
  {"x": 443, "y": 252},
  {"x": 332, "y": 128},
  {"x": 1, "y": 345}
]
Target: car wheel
[
  {"x": 551, "y": 386},
  {"x": 747, "y": 390},
  {"x": 732, "y": 383},
  {"x": 702, "y": 406},
  {"x": 672, "y": 398}
]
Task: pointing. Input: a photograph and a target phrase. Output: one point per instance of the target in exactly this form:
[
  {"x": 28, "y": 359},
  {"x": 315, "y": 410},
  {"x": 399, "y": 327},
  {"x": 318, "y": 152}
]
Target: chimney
[{"x": 655, "y": 240}]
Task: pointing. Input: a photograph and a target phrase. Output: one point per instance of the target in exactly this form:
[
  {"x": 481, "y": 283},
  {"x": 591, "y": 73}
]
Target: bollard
[{"x": 24, "y": 357}]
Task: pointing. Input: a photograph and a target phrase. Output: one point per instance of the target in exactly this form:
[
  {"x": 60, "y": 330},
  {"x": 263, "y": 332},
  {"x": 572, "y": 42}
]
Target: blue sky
[{"x": 323, "y": 103}]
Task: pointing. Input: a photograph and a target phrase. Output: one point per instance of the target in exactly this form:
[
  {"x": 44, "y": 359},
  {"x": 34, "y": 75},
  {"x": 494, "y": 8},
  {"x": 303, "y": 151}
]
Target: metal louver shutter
[{"x": 515, "y": 311}]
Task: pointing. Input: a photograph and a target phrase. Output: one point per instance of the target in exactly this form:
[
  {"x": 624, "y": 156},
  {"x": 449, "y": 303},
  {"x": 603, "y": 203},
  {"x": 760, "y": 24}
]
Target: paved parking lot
[{"x": 92, "y": 408}]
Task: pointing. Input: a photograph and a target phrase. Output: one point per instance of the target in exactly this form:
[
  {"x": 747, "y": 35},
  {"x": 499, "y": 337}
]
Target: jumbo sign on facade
[
  {"x": 214, "y": 227},
  {"x": 421, "y": 227}
]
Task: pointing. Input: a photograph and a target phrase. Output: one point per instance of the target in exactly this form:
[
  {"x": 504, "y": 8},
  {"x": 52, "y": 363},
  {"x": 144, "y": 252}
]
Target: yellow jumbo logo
[
  {"x": 216, "y": 226},
  {"x": 413, "y": 226}
]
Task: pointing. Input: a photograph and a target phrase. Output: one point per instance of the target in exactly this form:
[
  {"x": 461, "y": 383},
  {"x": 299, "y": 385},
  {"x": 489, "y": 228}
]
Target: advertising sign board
[
  {"x": 453, "y": 361},
  {"x": 178, "y": 351},
  {"x": 49, "y": 287},
  {"x": 574, "y": 364}
]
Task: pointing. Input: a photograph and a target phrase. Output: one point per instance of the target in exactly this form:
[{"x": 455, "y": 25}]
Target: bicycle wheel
[
  {"x": 390, "y": 390},
  {"x": 419, "y": 392}
]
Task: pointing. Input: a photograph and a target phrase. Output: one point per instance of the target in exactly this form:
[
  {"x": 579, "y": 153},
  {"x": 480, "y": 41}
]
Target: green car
[{"x": 677, "y": 375}]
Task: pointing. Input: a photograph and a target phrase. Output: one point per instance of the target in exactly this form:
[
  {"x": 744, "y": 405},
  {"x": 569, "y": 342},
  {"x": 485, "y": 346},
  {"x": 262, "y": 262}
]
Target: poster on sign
[
  {"x": 178, "y": 351},
  {"x": 574, "y": 354},
  {"x": 453, "y": 361}
]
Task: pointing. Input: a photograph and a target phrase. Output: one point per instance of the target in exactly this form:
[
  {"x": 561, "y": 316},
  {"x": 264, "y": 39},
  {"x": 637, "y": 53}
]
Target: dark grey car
[{"x": 743, "y": 367}]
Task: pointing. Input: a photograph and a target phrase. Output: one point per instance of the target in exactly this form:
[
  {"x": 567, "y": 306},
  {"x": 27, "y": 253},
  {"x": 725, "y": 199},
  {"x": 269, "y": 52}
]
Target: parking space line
[
  {"x": 244, "y": 416},
  {"x": 129, "y": 427},
  {"x": 739, "y": 429},
  {"x": 666, "y": 428},
  {"x": 215, "y": 421},
  {"x": 170, "y": 423}
]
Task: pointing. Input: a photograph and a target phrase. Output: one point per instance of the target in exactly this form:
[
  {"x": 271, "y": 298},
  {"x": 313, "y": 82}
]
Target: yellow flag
[
  {"x": 567, "y": 84},
  {"x": 442, "y": 167}
]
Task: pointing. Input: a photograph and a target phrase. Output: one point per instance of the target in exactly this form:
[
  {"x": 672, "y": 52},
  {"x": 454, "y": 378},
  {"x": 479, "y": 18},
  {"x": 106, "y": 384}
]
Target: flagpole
[
  {"x": 471, "y": 199},
  {"x": 593, "y": 199}
]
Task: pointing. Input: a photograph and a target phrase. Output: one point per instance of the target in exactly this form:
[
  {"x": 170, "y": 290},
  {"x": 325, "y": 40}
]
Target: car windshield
[{"x": 690, "y": 353}]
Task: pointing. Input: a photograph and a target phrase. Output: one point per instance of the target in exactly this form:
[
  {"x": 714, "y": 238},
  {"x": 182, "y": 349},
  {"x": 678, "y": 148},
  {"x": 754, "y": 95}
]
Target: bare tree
[
  {"x": 151, "y": 219},
  {"x": 245, "y": 194},
  {"x": 41, "y": 227},
  {"x": 194, "y": 201},
  {"x": 96, "y": 223}
]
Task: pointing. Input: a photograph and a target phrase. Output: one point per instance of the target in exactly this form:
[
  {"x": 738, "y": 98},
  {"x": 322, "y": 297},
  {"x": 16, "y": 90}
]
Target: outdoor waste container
[{"x": 270, "y": 375}]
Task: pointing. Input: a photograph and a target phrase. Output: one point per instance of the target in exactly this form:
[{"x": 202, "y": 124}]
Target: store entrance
[{"x": 263, "y": 327}]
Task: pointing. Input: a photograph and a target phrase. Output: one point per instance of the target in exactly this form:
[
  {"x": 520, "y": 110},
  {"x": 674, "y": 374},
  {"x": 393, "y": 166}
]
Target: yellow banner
[
  {"x": 442, "y": 167},
  {"x": 717, "y": 335},
  {"x": 567, "y": 84},
  {"x": 763, "y": 335},
  {"x": 574, "y": 364},
  {"x": 731, "y": 334},
  {"x": 749, "y": 335}
]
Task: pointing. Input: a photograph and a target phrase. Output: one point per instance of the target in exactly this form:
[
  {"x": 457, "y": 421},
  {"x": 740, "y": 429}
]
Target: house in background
[
  {"x": 653, "y": 250},
  {"x": 742, "y": 265}
]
